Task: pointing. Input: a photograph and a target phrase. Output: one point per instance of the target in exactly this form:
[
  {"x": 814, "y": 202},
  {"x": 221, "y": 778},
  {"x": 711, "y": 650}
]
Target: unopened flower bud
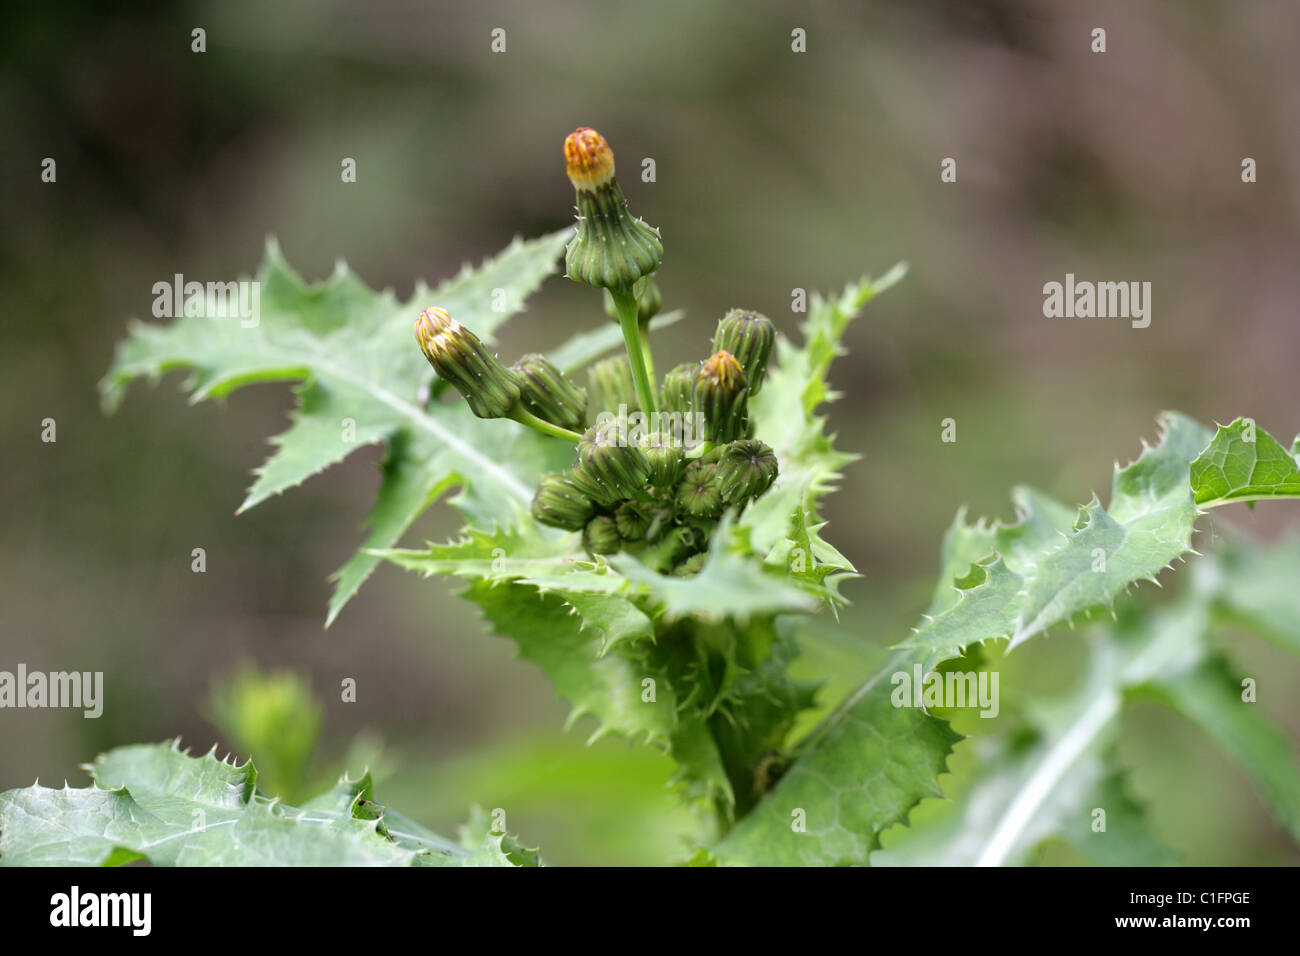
[
  {"x": 649, "y": 300},
  {"x": 678, "y": 390},
  {"x": 605, "y": 454},
  {"x": 610, "y": 385},
  {"x": 600, "y": 492},
  {"x": 711, "y": 456},
  {"x": 722, "y": 396},
  {"x": 748, "y": 336},
  {"x": 550, "y": 394},
  {"x": 666, "y": 456},
  {"x": 610, "y": 248},
  {"x": 632, "y": 521},
  {"x": 601, "y": 536},
  {"x": 458, "y": 356},
  {"x": 746, "y": 469},
  {"x": 698, "y": 493},
  {"x": 588, "y": 160},
  {"x": 560, "y": 504}
]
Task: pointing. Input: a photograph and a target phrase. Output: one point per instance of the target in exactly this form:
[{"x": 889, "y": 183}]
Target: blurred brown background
[{"x": 775, "y": 170}]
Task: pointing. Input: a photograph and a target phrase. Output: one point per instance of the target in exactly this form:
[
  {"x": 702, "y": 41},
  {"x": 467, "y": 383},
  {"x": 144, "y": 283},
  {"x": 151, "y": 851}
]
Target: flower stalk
[
  {"x": 524, "y": 417},
  {"x": 638, "y": 348}
]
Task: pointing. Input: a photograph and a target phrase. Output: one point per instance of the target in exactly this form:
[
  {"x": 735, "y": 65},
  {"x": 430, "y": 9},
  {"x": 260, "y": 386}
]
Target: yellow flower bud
[{"x": 588, "y": 159}]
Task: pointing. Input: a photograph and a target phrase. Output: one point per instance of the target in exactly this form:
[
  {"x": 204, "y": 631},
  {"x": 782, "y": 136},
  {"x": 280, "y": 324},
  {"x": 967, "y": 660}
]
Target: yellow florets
[
  {"x": 437, "y": 332},
  {"x": 588, "y": 159},
  {"x": 722, "y": 368}
]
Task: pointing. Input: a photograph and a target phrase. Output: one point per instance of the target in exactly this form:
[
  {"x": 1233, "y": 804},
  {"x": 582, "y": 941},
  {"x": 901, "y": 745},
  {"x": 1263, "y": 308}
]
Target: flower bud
[
  {"x": 711, "y": 456},
  {"x": 550, "y": 394},
  {"x": 666, "y": 456},
  {"x": 609, "y": 385},
  {"x": 605, "y": 454},
  {"x": 746, "y": 469},
  {"x": 601, "y": 536},
  {"x": 698, "y": 493},
  {"x": 722, "y": 396},
  {"x": 632, "y": 521},
  {"x": 601, "y": 493},
  {"x": 649, "y": 301},
  {"x": 678, "y": 389},
  {"x": 458, "y": 356},
  {"x": 610, "y": 248},
  {"x": 561, "y": 504},
  {"x": 588, "y": 160},
  {"x": 748, "y": 336}
]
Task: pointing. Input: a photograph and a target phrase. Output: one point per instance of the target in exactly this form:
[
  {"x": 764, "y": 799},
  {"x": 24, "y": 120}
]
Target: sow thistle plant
[{"x": 653, "y": 543}]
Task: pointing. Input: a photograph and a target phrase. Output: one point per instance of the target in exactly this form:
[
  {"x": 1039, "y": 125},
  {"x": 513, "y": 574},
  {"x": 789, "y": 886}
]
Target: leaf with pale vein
[{"x": 361, "y": 376}]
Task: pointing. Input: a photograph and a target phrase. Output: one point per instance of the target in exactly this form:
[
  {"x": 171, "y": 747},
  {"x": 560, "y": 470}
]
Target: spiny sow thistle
[{"x": 655, "y": 547}]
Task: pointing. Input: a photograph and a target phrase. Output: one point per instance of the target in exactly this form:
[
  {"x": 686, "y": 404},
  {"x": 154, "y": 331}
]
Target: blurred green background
[{"x": 775, "y": 170}]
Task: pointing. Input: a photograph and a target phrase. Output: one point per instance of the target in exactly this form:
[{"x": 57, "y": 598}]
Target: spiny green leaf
[
  {"x": 505, "y": 554},
  {"x": 997, "y": 581},
  {"x": 356, "y": 798},
  {"x": 553, "y": 635},
  {"x": 987, "y": 604},
  {"x": 1048, "y": 786},
  {"x": 155, "y": 803},
  {"x": 616, "y": 684},
  {"x": 729, "y": 585},
  {"x": 782, "y": 525},
  {"x": 619, "y": 621},
  {"x": 600, "y": 636},
  {"x": 1040, "y": 524},
  {"x": 1049, "y": 572},
  {"x": 1064, "y": 568},
  {"x": 579, "y": 621},
  {"x": 811, "y": 562},
  {"x": 361, "y": 377},
  {"x": 1244, "y": 463},
  {"x": 495, "y": 847},
  {"x": 868, "y": 766}
]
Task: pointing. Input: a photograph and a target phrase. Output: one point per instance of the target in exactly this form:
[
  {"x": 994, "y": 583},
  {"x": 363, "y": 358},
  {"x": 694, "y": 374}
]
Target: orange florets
[
  {"x": 588, "y": 159},
  {"x": 722, "y": 367}
]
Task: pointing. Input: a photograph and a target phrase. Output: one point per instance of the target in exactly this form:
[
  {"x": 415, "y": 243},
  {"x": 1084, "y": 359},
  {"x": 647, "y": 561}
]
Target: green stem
[
  {"x": 625, "y": 305},
  {"x": 525, "y": 417},
  {"x": 646, "y": 352}
]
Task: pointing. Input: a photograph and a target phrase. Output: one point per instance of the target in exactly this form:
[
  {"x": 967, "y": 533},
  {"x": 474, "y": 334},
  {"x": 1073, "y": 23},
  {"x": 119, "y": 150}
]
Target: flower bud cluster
[
  {"x": 659, "y": 493},
  {"x": 652, "y": 493}
]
